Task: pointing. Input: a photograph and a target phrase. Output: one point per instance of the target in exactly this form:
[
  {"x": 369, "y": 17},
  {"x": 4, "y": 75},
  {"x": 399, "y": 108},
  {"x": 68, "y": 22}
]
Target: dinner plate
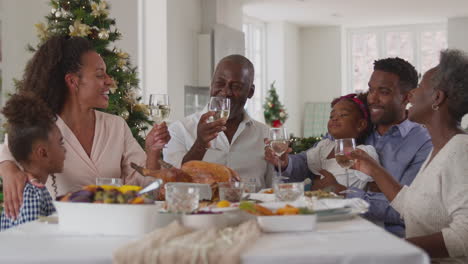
[{"x": 215, "y": 209}]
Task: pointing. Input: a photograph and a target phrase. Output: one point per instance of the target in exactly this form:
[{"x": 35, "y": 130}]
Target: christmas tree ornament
[
  {"x": 79, "y": 30},
  {"x": 103, "y": 34},
  {"x": 125, "y": 114},
  {"x": 94, "y": 33},
  {"x": 99, "y": 9},
  {"x": 42, "y": 31}
]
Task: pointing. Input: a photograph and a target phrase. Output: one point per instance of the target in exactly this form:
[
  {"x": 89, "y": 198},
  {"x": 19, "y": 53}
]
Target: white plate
[
  {"x": 343, "y": 208},
  {"x": 263, "y": 197},
  {"x": 220, "y": 210},
  {"x": 287, "y": 223}
]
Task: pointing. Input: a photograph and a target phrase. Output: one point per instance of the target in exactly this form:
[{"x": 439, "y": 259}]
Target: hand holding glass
[
  {"x": 279, "y": 143},
  {"x": 343, "y": 147}
]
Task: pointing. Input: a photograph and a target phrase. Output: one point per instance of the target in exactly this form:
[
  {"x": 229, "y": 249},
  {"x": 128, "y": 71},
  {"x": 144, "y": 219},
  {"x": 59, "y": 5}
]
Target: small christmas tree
[
  {"x": 89, "y": 19},
  {"x": 274, "y": 112}
]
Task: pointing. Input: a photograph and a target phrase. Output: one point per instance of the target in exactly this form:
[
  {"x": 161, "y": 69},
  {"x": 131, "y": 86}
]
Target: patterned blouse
[{"x": 36, "y": 202}]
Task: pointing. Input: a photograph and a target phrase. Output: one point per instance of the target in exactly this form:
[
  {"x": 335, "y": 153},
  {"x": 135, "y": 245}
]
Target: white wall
[
  {"x": 283, "y": 62},
  {"x": 154, "y": 45},
  {"x": 183, "y": 27},
  {"x": 321, "y": 63},
  {"x": 292, "y": 86},
  {"x": 229, "y": 13},
  {"x": 19, "y": 17},
  {"x": 458, "y": 39}
]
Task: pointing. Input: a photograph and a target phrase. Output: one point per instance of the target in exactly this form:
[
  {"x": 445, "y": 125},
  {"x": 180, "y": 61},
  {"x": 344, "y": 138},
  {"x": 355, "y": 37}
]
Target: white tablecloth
[{"x": 351, "y": 241}]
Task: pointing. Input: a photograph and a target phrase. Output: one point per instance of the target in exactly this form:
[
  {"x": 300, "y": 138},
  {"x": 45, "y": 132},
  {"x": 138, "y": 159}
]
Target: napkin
[{"x": 178, "y": 244}]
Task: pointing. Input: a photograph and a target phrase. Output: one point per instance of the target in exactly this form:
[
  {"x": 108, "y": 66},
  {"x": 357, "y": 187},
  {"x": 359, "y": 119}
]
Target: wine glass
[
  {"x": 222, "y": 107},
  {"x": 343, "y": 147},
  {"x": 279, "y": 143},
  {"x": 159, "y": 107}
]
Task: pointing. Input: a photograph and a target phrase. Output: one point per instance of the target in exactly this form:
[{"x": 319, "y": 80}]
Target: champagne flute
[
  {"x": 222, "y": 107},
  {"x": 344, "y": 147},
  {"x": 279, "y": 143},
  {"x": 159, "y": 107}
]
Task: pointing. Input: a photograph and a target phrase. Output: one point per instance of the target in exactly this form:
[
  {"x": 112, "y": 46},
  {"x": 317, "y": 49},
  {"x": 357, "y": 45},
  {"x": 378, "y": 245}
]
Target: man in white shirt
[{"x": 237, "y": 142}]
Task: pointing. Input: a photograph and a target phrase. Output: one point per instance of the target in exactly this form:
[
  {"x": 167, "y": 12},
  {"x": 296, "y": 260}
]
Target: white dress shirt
[{"x": 245, "y": 154}]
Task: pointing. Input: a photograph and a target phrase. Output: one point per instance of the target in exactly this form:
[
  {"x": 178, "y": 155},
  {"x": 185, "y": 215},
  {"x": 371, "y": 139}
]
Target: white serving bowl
[
  {"x": 218, "y": 220},
  {"x": 111, "y": 219},
  {"x": 287, "y": 223}
]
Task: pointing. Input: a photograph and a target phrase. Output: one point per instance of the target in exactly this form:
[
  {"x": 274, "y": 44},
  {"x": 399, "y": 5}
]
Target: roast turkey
[{"x": 193, "y": 171}]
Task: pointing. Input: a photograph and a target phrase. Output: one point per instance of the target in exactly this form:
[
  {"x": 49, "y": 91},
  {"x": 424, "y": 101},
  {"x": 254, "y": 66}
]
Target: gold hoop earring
[{"x": 435, "y": 107}]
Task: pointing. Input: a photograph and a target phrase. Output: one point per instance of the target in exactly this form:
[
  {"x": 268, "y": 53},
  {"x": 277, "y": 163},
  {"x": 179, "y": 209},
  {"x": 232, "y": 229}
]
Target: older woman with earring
[
  {"x": 435, "y": 205},
  {"x": 71, "y": 78}
]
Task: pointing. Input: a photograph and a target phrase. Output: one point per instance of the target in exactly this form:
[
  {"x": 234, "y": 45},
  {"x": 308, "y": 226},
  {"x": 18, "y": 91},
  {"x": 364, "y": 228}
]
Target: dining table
[{"x": 351, "y": 241}]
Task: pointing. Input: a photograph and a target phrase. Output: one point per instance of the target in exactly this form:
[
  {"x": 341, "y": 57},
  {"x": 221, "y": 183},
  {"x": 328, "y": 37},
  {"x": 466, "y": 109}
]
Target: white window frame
[
  {"x": 261, "y": 88},
  {"x": 381, "y": 31}
]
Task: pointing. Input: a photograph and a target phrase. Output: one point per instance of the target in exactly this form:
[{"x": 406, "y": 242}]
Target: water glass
[
  {"x": 230, "y": 191},
  {"x": 249, "y": 185},
  {"x": 182, "y": 198},
  {"x": 288, "y": 192},
  {"x": 117, "y": 182},
  {"x": 343, "y": 147}
]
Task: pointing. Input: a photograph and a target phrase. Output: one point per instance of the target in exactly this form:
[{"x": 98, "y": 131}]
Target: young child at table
[
  {"x": 37, "y": 144},
  {"x": 349, "y": 118}
]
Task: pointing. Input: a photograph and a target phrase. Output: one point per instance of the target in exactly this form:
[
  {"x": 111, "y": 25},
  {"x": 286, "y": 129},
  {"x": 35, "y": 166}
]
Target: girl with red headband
[{"x": 349, "y": 118}]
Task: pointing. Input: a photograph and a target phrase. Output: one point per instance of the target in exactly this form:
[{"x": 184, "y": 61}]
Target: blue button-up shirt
[{"x": 402, "y": 150}]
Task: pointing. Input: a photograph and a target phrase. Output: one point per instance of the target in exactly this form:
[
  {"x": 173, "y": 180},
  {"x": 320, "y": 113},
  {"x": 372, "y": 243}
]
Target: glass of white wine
[
  {"x": 343, "y": 147},
  {"x": 279, "y": 143},
  {"x": 221, "y": 106},
  {"x": 159, "y": 107}
]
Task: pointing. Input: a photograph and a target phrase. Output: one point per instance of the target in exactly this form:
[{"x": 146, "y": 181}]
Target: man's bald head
[{"x": 240, "y": 60}]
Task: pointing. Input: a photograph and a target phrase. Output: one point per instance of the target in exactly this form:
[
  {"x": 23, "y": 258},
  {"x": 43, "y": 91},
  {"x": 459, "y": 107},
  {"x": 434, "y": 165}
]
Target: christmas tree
[
  {"x": 89, "y": 19},
  {"x": 274, "y": 112}
]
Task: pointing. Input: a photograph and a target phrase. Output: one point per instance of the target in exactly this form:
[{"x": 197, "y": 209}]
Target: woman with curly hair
[
  {"x": 37, "y": 145},
  {"x": 435, "y": 205},
  {"x": 71, "y": 78}
]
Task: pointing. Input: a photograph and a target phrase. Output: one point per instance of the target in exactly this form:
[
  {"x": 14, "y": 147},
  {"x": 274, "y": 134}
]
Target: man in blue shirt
[{"x": 401, "y": 144}]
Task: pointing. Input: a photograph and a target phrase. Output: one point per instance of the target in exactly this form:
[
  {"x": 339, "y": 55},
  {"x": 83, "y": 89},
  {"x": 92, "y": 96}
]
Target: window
[
  {"x": 418, "y": 44},
  {"x": 254, "y": 31}
]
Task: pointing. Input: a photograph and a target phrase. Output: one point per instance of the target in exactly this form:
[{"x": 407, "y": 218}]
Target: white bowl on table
[
  {"x": 287, "y": 223},
  {"x": 111, "y": 219}
]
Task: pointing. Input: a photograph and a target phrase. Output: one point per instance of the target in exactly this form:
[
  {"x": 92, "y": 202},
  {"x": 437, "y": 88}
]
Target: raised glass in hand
[
  {"x": 159, "y": 107},
  {"x": 221, "y": 106},
  {"x": 279, "y": 143},
  {"x": 344, "y": 147}
]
